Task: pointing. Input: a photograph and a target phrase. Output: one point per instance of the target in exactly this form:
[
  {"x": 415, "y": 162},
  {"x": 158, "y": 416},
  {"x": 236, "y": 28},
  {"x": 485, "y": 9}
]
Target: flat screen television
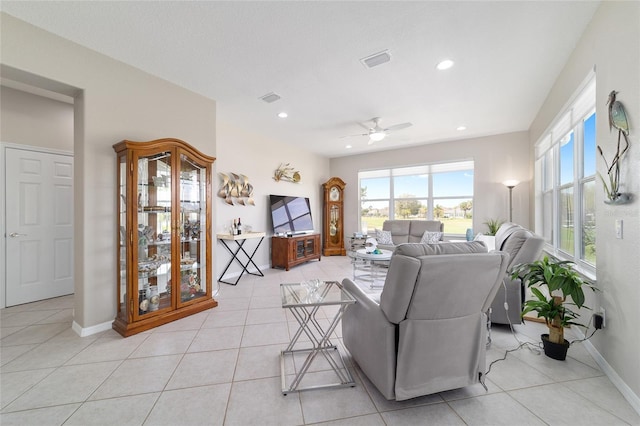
[{"x": 290, "y": 215}]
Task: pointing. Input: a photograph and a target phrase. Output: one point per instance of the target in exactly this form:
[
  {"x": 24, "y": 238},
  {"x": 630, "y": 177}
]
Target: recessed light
[
  {"x": 445, "y": 65},
  {"x": 461, "y": 128},
  {"x": 283, "y": 114},
  {"x": 348, "y": 147}
]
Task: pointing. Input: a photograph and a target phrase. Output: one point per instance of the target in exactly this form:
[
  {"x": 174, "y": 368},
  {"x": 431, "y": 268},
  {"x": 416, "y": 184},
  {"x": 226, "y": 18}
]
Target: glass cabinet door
[
  {"x": 192, "y": 220},
  {"x": 123, "y": 247},
  {"x": 152, "y": 236}
]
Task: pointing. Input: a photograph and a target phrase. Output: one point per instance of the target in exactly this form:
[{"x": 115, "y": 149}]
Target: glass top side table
[{"x": 304, "y": 300}]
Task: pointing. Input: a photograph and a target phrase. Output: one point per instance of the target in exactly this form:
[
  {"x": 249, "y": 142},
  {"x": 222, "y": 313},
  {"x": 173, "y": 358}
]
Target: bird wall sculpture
[{"x": 618, "y": 120}]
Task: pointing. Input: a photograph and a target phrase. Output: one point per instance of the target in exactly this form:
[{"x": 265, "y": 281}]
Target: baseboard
[
  {"x": 617, "y": 381},
  {"x": 88, "y": 331}
]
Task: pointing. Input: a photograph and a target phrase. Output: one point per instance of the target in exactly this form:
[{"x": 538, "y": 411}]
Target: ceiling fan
[{"x": 377, "y": 133}]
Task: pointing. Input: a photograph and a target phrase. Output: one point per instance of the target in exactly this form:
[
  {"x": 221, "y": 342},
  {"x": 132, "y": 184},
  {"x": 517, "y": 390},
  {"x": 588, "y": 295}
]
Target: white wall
[
  {"x": 250, "y": 154},
  {"x": 611, "y": 43},
  {"x": 497, "y": 158},
  {"x": 113, "y": 102},
  {"x": 29, "y": 119}
]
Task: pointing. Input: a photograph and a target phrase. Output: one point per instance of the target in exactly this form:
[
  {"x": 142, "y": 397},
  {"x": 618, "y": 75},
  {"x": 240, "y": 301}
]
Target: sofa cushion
[
  {"x": 399, "y": 230},
  {"x": 419, "y": 227},
  {"x": 431, "y": 237},
  {"x": 383, "y": 237},
  {"x": 416, "y": 250}
]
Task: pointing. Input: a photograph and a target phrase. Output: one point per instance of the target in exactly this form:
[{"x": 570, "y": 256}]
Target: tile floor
[{"x": 221, "y": 367}]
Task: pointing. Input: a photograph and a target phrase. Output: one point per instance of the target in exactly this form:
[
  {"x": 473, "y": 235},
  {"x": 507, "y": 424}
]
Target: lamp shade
[{"x": 510, "y": 183}]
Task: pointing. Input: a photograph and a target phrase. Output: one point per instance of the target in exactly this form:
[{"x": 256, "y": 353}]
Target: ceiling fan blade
[
  {"x": 352, "y": 136},
  {"x": 397, "y": 127}
]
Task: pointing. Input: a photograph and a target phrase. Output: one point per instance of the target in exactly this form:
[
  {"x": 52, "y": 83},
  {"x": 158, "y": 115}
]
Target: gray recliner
[
  {"x": 427, "y": 332},
  {"x": 523, "y": 246}
]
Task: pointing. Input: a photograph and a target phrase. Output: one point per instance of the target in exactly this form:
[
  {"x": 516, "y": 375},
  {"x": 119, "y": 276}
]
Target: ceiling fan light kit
[
  {"x": 377, "y": 133},
  {"x": 376, "y": 136}
]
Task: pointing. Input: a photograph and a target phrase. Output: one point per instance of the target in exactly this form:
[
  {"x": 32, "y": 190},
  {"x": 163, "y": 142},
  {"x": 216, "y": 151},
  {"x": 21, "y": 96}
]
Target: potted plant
[
  {"x": 493, "y": 225},
  {"x": 561, "y": 281}
]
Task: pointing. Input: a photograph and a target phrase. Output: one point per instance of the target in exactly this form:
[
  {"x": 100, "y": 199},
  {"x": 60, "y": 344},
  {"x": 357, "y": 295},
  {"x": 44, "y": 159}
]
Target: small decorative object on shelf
[
  {"x": 286, "y": 172},
  {"x": 617, "y": 120},
  {"x": 154, "y": 298},
  {"x": 164, "y": 255},
  {"x": 469, "y": 234}
]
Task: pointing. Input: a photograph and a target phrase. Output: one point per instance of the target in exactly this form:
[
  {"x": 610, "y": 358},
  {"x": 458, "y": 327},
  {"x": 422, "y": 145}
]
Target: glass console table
[{"x": 304, "y": 300}]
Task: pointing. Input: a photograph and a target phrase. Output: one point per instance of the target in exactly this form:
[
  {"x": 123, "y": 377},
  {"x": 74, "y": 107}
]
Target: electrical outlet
[
  {"x": 597, "y": 321},
  {"x": 604, "y": 317},
  {"x": 619, "y": 228}
]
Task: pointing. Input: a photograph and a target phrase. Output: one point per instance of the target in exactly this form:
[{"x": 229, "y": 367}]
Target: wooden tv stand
[{"x": 291, "y": 251}]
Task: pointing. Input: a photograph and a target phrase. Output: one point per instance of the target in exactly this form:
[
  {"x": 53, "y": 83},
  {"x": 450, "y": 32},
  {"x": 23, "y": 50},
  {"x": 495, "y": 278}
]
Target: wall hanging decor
[
  {"x": 286, "y": 172},
  {"x": 617, "y": 120},
  {"x": 236, "y": 189}
]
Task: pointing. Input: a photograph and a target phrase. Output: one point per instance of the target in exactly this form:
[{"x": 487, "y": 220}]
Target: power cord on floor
[
  {"x": 531, "y": 346},
  {"x": 585, "y": 329}
]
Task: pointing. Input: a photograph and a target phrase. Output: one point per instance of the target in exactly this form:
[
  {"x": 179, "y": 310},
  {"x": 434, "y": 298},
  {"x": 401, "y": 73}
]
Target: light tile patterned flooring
[{"x": 221, "y": 367}]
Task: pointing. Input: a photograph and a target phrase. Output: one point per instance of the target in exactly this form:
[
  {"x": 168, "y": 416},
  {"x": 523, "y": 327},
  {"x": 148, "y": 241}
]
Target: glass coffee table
[
  {"x": 304, "y": 300},
  {"x": 370, "y": 267}
]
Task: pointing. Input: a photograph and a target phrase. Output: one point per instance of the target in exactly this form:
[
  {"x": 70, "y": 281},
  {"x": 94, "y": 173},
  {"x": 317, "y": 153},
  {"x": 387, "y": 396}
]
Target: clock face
[{"x": 334, "y": 194}]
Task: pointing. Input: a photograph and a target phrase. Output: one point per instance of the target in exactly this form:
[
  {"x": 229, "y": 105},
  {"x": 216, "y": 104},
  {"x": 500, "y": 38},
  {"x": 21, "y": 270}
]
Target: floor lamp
[{"x": 510, "y": 184}]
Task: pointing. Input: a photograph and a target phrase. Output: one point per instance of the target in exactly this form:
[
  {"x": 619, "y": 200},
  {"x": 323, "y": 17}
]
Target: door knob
[{"x": 15, "y": 234}]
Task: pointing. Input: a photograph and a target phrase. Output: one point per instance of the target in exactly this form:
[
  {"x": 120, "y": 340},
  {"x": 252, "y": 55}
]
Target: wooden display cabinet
[
  {"x": 164, "y": 242},
  {"x": 291, "y": 251}
]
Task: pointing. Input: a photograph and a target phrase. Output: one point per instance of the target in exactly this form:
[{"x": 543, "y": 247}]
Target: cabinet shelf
[{"x": 167, "y": 183}]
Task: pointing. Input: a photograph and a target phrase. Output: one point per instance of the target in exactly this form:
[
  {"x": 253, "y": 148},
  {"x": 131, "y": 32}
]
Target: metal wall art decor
[
  {"x": 286, "y": 172},
  {"x": 236, "y": 189},
  {"x": 617, "y": 120}
]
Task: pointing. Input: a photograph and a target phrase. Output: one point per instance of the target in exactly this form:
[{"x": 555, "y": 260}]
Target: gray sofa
[
  {"x": 421, "y": 337},
  {"x": 409, "y": 231},
  {"x": 523, "y": 246}
]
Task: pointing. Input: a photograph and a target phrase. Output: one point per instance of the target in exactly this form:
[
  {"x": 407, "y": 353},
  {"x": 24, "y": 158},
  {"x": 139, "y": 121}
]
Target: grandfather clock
[{"x": 333, "y": 223}]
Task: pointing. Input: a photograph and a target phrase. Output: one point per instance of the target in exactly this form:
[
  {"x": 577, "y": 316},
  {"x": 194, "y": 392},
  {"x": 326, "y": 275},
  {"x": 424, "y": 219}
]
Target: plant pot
[{"x": 555, "y": 350}]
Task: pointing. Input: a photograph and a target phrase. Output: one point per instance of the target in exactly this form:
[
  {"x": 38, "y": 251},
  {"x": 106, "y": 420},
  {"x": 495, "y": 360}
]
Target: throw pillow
[
  {"x": 383, "y": 237},
  {"x": 431, "y": 237}
]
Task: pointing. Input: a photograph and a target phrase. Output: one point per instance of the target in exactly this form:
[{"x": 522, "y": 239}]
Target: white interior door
[{"x": 39, "y": 227}]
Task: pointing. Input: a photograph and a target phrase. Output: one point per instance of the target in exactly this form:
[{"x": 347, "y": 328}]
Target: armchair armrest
[{"x": 371, "y": 339}]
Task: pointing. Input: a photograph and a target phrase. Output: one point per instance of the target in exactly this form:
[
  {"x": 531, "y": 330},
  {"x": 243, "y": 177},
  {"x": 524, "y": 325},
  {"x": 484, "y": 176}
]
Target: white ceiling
[{"x": 507, "y": 56}]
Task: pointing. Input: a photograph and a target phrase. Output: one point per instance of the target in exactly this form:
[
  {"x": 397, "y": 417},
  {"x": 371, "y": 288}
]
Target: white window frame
[
  {"x": 571, "y": 118},
  {"x": 422, "y": 169}
]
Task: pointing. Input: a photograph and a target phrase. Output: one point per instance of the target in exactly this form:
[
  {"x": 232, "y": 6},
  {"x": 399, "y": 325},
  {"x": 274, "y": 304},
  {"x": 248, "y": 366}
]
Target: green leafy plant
[
  {"x": 493, "y": 225},
  {"x": 561, "y": 282}
]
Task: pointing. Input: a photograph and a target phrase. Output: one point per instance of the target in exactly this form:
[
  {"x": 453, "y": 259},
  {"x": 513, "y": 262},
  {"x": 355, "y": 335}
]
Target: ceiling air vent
[
  {"x": 270, "y": 97},
  {"x": 376, "y": 59}
]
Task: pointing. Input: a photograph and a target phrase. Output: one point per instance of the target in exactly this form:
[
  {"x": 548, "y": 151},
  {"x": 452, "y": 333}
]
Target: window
[
  {"x": 428, "y": 192},
  {"x": 565, "y": 176}
]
